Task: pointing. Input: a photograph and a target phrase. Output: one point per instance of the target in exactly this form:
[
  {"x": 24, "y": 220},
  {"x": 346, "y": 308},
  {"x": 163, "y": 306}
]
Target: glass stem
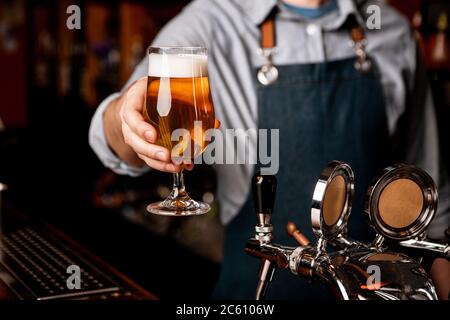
[{"x": 178, "y": 185}]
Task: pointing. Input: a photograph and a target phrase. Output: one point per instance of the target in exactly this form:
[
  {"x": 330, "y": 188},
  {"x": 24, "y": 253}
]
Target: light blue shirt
[{"x": 229, "y": 29}]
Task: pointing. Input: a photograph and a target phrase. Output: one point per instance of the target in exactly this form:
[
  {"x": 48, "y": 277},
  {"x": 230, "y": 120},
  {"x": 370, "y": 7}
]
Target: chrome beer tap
[
  {"x": 264, "y": 189},
  {"x": 346, "y": 271}
]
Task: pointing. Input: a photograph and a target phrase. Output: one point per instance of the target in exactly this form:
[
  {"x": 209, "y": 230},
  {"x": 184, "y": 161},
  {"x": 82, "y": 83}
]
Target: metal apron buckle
[
  {"x": 268, "y": 73},
  {"x": 363, "y": 62}
]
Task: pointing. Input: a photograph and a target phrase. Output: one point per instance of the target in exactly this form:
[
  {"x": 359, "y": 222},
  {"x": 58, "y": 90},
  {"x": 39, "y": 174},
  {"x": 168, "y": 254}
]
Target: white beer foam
[{"x": 177, "y": 66}]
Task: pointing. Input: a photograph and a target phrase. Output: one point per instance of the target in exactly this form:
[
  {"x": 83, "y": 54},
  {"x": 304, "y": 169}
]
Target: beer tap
[
  {"x": 273, "y": 256},
  {"x": 264, "y": 189},
  {"x": 343, "y": 271}
]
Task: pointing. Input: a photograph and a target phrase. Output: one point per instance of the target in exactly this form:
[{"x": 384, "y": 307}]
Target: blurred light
[
  {"x": 107, "y": 200},
  {"x": 208, "y": 197},
  {"x": 114, "y": 57}
]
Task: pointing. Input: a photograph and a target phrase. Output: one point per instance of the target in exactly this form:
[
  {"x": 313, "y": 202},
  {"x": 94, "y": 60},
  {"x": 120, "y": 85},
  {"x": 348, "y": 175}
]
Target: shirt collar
[{"x": 258, "y": 10}]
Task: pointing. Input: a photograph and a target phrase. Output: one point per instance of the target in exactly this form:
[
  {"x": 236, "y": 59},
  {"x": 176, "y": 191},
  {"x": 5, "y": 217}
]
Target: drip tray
[{"x": 35, "y": 266}]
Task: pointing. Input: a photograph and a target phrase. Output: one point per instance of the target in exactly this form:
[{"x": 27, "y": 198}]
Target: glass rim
[{"x": 197, "y": 50}]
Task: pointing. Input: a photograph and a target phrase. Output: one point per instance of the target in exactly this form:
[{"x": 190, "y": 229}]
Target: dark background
[{"x": 51, "y": 81}]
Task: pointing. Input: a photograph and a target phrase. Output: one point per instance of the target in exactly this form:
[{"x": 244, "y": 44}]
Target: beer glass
[{"x": 180, "y": 107}]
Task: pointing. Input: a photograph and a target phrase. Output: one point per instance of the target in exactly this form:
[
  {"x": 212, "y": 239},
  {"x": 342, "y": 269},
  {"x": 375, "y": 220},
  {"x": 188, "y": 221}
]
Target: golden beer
[
  {"x": 179, "y": 97},
  {"x": 190, "y": 102}
]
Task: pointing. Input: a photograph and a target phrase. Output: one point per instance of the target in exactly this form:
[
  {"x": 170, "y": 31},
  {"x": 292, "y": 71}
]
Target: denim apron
[{"x": 324, "y": 111}]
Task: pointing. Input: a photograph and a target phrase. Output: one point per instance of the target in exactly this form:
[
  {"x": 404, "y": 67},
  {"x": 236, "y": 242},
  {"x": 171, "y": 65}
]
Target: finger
[
  {"x": 136, "y": 123},
  {"x": 137, "y": 92},
  {"x": 160, "y": 165},
  {"x": 144, "y": 148},
  {"x": 135, "y": 96},
  {"x": 131, "y": 111},
  {"x": 189, "y": 167}
]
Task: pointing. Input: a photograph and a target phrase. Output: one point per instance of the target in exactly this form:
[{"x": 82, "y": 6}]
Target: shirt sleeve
[
  {"x": 98, "y": 143},
  {"x": 417, "y": 137},
  {"x": 190, "y": 28}
]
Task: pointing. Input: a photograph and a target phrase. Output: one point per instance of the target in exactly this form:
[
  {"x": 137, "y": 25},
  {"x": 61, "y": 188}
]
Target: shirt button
[{"x": 312, "y": 29}]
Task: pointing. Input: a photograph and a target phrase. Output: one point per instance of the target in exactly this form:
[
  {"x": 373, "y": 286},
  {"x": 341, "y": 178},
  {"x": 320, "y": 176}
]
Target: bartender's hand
[{"x": 130, "y": 136}]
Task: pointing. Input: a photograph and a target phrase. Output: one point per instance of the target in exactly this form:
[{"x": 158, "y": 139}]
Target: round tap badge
[
  {"x": 332, "y": 200},
  {"x": 402, "y": 202}
]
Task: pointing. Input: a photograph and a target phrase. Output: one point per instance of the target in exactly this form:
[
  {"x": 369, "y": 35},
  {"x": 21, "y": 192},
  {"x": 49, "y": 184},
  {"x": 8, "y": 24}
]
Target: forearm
[{"x": 114, "y": 137}]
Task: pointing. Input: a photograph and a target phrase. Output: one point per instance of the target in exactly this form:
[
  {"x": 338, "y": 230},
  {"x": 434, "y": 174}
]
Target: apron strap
[
  {"x": 362, "y": 63},
  {"x": 267, "y": 31},
  {"x": 357, "y": 33},
  {"x": 268, "y": 73}
]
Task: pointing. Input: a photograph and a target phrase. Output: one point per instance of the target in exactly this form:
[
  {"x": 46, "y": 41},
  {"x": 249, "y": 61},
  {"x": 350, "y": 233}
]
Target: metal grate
[{"x": 40, "y": 264}]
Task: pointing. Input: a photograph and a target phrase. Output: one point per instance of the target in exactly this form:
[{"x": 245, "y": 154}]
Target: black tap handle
[{"x": 264, "y": 188}]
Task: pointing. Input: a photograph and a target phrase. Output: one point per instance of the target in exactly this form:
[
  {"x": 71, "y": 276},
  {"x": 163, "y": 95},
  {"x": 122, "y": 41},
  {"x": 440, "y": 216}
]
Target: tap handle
[
  {"x": 264, "y": 188},
  {"x": 295, "y": 233}
]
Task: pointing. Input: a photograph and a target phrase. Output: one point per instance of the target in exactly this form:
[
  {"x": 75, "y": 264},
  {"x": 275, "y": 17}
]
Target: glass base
[
  {"x": 185, "y": 207},
  {"x": 178, "y": 203}
]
